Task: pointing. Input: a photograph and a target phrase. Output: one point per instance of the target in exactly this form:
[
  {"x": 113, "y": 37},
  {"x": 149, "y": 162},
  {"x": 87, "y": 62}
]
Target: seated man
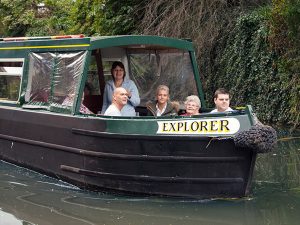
[
  {"x": 162, "y": 106},
  {"x": 222, "y": 101},
  {"x": 119, "y": 100}
]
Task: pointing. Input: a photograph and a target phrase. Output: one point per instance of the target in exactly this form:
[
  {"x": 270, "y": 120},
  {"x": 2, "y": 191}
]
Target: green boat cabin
[{"x": 41, "y": 72}]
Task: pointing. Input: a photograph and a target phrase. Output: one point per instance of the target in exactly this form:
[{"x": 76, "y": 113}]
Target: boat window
[
  {"x": 94, "y": 85},
  {"x": 150, "y": 68},
  {"x": 93, "y": 77},
  {"x": 10, "y": 79},
  {"x": 53, "y": 78}
]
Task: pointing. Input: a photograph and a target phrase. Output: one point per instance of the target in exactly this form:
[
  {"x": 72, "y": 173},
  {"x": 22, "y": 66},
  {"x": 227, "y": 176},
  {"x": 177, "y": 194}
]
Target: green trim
[
  {"x": 197, "y": 79},
  {"x": 81, "y": 82},
  {"x": 52, "y": 77},
  {"x": 24, "y": 79},
  {"x": 43, "y": 47},
  {"x": 249, "y": 112},
  {"x": 111, "y": 41},
  {"x": 36, "y": 106},
  {"x": 149, "y": 125},
  {"x": 98, "y": 42},
  {"x": 60, "y": 109}
]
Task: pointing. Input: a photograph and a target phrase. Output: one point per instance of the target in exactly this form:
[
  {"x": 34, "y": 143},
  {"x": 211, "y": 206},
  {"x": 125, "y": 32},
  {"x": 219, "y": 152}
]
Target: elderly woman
[
  {"x": 192, "y": 105},
  {"x": 118, "y": 80}
]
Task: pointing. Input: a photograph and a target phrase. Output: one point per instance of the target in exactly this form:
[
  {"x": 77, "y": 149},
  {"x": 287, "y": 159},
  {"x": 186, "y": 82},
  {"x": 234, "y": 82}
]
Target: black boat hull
[{"x": 80, "y": 151}]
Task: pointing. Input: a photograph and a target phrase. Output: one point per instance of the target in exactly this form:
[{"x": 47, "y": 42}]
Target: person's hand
[{"x": 128, "y": 93}]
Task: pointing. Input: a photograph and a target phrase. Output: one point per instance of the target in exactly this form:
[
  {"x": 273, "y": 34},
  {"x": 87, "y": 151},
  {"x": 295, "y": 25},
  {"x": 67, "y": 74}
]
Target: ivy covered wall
[
  {"x": 250, "y": 47},
  {"x": 260, "y": 64}
]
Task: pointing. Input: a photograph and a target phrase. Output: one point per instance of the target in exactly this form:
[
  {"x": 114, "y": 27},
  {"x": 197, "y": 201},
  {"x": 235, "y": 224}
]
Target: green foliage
[
  {"x": 120, "y": 17},
  {"x": 285, "y": 40},
  {"x": 26, "y": 18},
  {"x": 106, "y": 17},
  {"x": 284, "y": 22},
  {"x": 257, "y": 73},
  {"x": 86, "y": 15}
]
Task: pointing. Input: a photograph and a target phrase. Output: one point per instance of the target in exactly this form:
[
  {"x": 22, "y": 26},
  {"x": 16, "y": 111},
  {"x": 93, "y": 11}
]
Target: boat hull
[{"x": 80, "y": 151}]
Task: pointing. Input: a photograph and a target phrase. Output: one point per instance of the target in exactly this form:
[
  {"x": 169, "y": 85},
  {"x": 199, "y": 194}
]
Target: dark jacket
[{"x": 171, "y": 109}]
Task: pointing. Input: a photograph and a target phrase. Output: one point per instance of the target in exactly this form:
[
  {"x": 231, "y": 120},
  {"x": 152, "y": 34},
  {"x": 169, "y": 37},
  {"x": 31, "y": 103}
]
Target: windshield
[
  {"x": 53, "y": 78},
  {"x": 151, "y": 68}
]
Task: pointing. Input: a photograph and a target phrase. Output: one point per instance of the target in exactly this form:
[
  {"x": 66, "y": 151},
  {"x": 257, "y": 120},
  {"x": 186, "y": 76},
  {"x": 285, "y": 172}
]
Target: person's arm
[
  {"x": 135, "y": 98},
  {"x": 105, "y": 100},
  {"x": 150, "y": 110}
]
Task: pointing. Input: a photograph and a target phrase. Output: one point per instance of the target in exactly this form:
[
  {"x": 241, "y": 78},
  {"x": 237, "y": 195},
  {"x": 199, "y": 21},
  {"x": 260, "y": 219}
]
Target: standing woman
[{"x": 118, "y": 80}]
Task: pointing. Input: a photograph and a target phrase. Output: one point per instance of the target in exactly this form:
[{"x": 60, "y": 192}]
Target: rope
[{"x": 259, "y": 138}]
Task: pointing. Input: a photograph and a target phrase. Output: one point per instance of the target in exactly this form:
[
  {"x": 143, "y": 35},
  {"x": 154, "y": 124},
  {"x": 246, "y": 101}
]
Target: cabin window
[
  {"x": 93, "y": 77},
  {"x": 10, "y": 79},
  {"x": 172, "y": 67},
  {"x": 53, "y": 78}
]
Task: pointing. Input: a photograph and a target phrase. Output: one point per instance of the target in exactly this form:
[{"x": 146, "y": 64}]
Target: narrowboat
[{"x": 195, "y": 157}]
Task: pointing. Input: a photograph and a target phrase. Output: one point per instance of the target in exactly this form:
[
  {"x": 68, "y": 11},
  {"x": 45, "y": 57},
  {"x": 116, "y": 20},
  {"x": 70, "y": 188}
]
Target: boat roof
[
  {"x": 140, "y": 41},
  {"x": 76, "y": 42}
]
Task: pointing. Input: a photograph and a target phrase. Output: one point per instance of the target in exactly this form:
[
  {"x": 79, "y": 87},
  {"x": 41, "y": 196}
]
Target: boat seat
[
  {"x": 141, "y": 110},
  {"x": 93, "y": 102}
]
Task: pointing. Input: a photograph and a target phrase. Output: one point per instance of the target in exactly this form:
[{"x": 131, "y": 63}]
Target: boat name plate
[{"x": 224, "y": 126}]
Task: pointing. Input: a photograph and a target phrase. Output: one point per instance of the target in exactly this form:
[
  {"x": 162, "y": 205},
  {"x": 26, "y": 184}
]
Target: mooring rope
[{"x": 259, "y": 138}]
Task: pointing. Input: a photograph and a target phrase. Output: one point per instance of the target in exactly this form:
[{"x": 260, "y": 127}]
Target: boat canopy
[
  {"x": 51, "y": 72},
  {"x": 141, "y": 42}
]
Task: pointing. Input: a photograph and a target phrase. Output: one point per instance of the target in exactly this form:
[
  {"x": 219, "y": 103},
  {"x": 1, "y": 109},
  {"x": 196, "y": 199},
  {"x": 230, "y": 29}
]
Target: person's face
[
  {"x": 118, "y": 73},
  {"x": 121, "y": 97},
  {"x": 222, "y": 102},
  {"x": 162, "y": 97},
  {"x": 192, "y": 108}
]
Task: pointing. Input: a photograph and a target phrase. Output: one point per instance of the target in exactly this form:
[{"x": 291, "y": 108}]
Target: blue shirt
[{"x": 128, "y": 109}]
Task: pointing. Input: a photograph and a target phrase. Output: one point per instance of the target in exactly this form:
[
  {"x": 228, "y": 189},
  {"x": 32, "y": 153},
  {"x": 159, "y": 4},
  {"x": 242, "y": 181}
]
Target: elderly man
[
  {"x": 222, "y": 101},
  {"x": 119, "y": 100}
]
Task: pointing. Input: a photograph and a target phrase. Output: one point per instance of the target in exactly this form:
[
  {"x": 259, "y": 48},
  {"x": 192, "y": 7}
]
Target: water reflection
[
  {"x": 30, "y": 198},
  {"x": 9, "y": 219}
]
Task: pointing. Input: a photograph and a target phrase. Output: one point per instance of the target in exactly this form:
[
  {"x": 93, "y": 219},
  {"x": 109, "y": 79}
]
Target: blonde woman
[{"x": 162, "y": 106}]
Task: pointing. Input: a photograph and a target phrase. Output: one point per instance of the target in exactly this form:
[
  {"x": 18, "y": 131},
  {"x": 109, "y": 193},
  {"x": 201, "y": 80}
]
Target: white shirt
[
  {"x": 112, "y": 110},
  {"x": 216, "y": 110},
  {"x": 158, "y": 112}
]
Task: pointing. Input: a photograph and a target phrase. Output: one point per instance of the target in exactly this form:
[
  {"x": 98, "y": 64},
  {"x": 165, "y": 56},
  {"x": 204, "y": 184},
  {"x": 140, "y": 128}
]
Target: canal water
[{"x": 28, "y": 198}]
